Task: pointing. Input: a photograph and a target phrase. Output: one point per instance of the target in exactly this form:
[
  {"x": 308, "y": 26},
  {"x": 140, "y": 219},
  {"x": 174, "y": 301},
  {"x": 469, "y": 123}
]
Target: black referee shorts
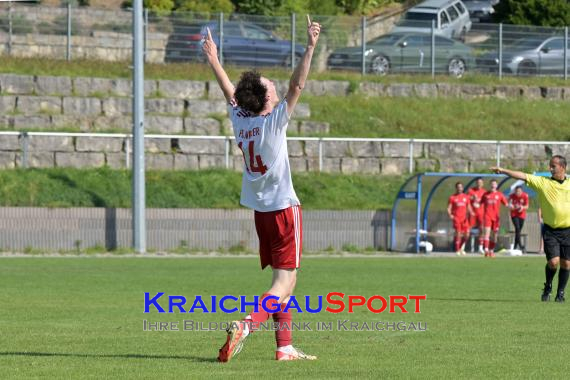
[{"x": 556, "y": 242}]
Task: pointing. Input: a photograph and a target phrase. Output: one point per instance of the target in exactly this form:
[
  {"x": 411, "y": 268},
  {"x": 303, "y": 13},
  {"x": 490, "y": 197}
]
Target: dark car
[
  {"x": 528, "y": 56},
  {"x": 243, "y": 44},
  {"x": 405, "y": 52}
]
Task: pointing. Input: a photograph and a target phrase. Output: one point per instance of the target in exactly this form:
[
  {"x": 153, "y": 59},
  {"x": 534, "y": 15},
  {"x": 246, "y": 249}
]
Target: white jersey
[{"x": 266, "y": 182}]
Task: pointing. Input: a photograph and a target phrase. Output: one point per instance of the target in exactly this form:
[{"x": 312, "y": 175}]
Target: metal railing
[
  {"x": 322, "y": 142},
  {"x": 349, "y": 43}
]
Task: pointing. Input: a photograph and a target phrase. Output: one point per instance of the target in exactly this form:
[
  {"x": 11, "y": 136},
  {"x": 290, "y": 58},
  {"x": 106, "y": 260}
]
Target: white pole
[{"x": 139, "y": 225}]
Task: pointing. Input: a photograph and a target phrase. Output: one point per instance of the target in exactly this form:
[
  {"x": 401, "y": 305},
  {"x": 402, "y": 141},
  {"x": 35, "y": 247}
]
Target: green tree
[
  {"x": 257, "y": 7},
  {"x": 159, "y": 5},
  {"x": 153, "y": 5},
  {"x": 354, "y": 7},
  {"x": 275, "y": 7},
  {"x": 324, "y": 7},
  {"x": 317, "y": 7},
  {"x": 209, "y": 6},
  {"x": 533, "y": 12}
]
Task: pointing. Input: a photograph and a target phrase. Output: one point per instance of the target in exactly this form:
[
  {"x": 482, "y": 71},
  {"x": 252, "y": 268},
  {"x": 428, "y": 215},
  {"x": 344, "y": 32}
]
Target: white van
[{"x": 451, "y": 19}]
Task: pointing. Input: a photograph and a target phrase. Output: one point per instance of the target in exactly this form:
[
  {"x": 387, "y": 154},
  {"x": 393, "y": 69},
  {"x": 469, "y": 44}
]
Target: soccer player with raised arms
[{"x": 260, "y": 123}]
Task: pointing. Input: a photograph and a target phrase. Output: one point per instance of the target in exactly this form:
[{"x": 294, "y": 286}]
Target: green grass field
[{"x": 83, "y": 318}]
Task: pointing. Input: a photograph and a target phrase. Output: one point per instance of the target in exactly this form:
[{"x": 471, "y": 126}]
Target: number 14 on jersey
[{"x": 255, "y": 164}]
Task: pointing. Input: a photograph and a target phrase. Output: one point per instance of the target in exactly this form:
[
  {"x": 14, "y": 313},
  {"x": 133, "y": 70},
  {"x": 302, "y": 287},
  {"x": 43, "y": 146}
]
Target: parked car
[
  {"x": 405, "y": 52},
  {"x": 244, "y": 44},
  {"x": 450, "y": 16},
  {"x": 480, "y": 10},
  {"x": 528, "y": 56}
]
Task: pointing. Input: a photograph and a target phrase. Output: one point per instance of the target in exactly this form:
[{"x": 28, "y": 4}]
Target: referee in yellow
[{"x": 554, "y": 196}]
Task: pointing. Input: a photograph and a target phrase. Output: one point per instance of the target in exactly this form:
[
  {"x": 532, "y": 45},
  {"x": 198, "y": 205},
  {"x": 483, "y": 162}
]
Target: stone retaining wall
[{"x": 48, "y": 103}]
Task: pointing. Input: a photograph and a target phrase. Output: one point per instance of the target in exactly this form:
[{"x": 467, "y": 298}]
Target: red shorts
[
  {"x": 492, "y": 222},
  {"x": 280, "y": 237},
  {"x": 461, "y": 226},
  {"x": 477, "y": 219}
]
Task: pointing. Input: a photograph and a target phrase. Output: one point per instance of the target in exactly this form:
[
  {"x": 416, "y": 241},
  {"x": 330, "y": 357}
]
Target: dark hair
[
  {"x": 518, "y": 187},
  {"x": 494, "y": 180},
  {"x": 561, "y": 159},
  {"x": 250, "y": 93},
  {"x": 458, "y": 183},
  {"x": 479, "y": 178}
]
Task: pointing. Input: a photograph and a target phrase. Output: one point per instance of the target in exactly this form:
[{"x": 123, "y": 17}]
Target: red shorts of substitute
[
  {"x": 461, "y": 226},
  {"x": 280, "y": 237},
  {"x": 492, "y": 222}
]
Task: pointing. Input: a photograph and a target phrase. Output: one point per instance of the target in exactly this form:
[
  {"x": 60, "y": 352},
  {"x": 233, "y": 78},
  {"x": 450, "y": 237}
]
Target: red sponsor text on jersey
[
  {"x": 518, "y": 203},
  {"x": 492, "y": 202},
  {"x": 458, "y": 204},
  {"x": 475, "y": 197}
]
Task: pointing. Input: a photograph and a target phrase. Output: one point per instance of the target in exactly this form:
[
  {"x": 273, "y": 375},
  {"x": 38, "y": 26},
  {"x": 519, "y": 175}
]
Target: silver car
[
  {"x": 480, "y": 10},
  {"x": 529, "y": 56},
  {"x": 450, "y": 19}
]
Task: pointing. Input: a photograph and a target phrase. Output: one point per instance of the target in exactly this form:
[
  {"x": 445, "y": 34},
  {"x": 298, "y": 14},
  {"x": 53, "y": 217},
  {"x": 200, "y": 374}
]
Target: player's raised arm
[
  {"x": 511, "y": 173},
  {"x": 210, "y": 50},
  {"x": 297, "y": 82}
]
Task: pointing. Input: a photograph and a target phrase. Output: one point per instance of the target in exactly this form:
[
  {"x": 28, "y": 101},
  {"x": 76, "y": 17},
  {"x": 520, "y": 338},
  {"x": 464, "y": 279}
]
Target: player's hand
[
  {"x": 209, "y": 47},
  {"x": 497, "y": 170},
  {"x": 313, "y": 32}
]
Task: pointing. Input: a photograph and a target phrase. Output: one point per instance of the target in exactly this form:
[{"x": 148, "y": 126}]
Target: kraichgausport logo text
[{"x": 335, "y": 303}]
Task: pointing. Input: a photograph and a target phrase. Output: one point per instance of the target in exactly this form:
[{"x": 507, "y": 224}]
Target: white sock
[
  {"x": 287, "y": 348},
  {"x": 246, "y": 327}
]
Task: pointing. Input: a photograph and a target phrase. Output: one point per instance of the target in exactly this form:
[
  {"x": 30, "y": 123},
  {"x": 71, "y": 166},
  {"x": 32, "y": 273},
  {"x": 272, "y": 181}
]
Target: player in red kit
[
  {"x": 475, "y": 197},
  {"x": 491, "y": 221},
  {"x": 518, "y": 203},
  {"x": 459, "y": 209}
]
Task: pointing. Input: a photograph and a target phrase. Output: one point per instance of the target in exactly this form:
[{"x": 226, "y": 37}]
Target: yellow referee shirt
[{"x": 554, "y": 199}]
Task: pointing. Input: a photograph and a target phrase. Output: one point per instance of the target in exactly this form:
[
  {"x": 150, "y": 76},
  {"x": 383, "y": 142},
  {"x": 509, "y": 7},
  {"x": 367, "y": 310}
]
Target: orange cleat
[{"x": 234, "y": 342}]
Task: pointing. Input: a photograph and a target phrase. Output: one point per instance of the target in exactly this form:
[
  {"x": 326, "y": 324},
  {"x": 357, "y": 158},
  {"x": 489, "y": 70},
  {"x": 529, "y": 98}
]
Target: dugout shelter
[{"x": 419, "y": 214}]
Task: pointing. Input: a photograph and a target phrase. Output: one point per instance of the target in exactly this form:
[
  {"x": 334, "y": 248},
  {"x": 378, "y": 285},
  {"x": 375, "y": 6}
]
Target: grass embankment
[
  {"x": 476, "y": 119},
  {"x": 185, "y": 189},
  {"x": 192, "y": 71}
]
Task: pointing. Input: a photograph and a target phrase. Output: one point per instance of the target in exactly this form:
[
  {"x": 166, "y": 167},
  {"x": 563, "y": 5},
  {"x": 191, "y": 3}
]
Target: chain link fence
[{"x": 376, "y": 46}]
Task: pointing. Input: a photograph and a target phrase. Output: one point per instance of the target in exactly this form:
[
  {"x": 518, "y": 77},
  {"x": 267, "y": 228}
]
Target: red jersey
[
  {"x": 475, "y": 197},
  {"x": 458, "y": 204},
  {"x": 518, "y": 202},
  {"x": 492, "y": 202}
]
